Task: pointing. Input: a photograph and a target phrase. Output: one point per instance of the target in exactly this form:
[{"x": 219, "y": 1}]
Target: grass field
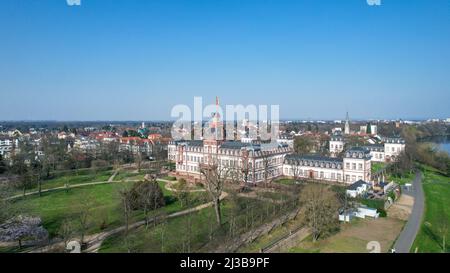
[
  {"x": 55, "y": 207},
  {"x": 285, "y": 181},
  {"x": 437, "y": 213},
  {"x": 72, "y": 178},
  {"x": 129, "y": 175}
]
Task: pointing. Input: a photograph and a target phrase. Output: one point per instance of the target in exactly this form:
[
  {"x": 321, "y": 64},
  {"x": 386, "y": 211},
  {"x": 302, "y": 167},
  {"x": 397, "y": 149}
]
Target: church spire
[{"x": 347, "y": 125}]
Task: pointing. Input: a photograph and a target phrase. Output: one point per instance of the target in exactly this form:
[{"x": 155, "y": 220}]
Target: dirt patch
[
  {"x": 354, "y": 237},
  {"x": 402, "y": 208}
]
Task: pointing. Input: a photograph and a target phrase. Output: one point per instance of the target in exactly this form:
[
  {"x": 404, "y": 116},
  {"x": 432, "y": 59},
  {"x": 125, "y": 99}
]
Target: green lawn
[
  {"x": 72, "y": 178},
  {"x": 285, "y": 181},
  {"x": 437, "y": 213},
  {"x": 129, "y": 175},
  {"x": 55, "y": 207}
]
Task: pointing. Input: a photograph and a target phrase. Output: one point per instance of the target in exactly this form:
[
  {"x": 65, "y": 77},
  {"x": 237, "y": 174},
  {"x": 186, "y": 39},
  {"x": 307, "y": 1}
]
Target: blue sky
[{"x": 135, "y": 59}]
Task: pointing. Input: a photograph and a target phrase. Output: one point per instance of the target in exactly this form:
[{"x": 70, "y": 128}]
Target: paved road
[{"x": 407, "y": 236}]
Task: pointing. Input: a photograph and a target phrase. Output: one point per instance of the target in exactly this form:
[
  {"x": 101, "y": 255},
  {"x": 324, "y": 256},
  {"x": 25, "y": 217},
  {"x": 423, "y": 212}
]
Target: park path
[
  {"x": 70, "y": 187},
  {"x": 95, "y": 241},
  {"x": 169, "y": 185},
  {"x": 111, "y": 179},
  {"x": 409, "y": 232}
]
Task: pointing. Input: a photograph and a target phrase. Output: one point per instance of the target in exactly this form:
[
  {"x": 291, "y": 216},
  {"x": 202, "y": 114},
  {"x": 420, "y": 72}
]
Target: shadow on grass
[{"x": 435, "y": 238}]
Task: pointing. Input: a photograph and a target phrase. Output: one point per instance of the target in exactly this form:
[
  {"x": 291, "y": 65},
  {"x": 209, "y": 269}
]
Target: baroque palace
[{"x": 255, "y": 162}]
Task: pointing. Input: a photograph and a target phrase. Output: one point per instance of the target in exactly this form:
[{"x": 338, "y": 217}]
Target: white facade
[
  {"x": 252, "y": 163},
  {"x": 393, "y": 147},
  {"x": 337, "y": 144},
  {"x": 356, "y": 165},
  {"x": 388, "y": 151},
  {"x": 358, "y": 189},
  {"x": 7, "y": 146},
  {"x": 373, "y": 129},
  {"x": 286, "y": 140},
  {"x": 377, "y": 152}
]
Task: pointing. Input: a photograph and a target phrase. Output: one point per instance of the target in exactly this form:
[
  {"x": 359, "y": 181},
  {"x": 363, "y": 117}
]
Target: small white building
[
  {"x": 358, "y": 188},
  {"x": 360, "y": 212},
  {"x": 363, "y": 212}
]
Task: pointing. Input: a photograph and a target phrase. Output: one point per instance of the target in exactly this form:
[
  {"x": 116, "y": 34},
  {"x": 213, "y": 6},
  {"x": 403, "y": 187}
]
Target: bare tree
[
  {"x": 126, "y": 198},
  {"x": 138, "y": 160},
  {"x": 6, "y": 210},
  {"x": 267, "y": 166},
  {"x": 215, "y": 178},
  {"x": 84, "y": 215},
  {"x": 66, "y": 231},
  {"x": 321, "y": 209},
  {"x": 181, "y": 191},
  {"x": 296, "y": 171}
]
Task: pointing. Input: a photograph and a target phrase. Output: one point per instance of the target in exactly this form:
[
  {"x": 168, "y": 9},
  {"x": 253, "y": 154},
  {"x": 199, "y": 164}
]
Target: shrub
[
  {"x": 392, "y": 195},
  {"x": 382, "y": 212},
  {"x": 373, "y": 203},
  {"x": 147, "y": 195}
]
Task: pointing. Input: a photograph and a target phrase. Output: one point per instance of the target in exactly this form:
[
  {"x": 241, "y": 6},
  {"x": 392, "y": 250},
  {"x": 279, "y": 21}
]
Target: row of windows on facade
[
  {"x": 353, "y": 166},
  {"x": 315, "y": 164},
  {"x": 393, "y": 149},
  {"x": 234, "y": 163},
  {"x": 258, "y": 175},
  {"x": 329, "y": 166},
  {"x": 322, "y": 175},
  {"x": 337, "y": 146}
]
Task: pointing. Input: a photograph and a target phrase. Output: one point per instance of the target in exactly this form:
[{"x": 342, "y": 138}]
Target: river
[{"x": 442, "y": 142}]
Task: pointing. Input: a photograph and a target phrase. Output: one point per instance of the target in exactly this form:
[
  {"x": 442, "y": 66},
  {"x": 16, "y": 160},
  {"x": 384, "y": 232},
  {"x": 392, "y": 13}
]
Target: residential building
[
  {"x": 7, "y": 146},
  {"x": 354, "y": 166},
  {"x": 377, "y": 151},
  {"x": 249, "y": 162},
  {"x": 286, "y": 139},
  {"x": 337, "y": 144},
  {"x": 393, "y": 147}
]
